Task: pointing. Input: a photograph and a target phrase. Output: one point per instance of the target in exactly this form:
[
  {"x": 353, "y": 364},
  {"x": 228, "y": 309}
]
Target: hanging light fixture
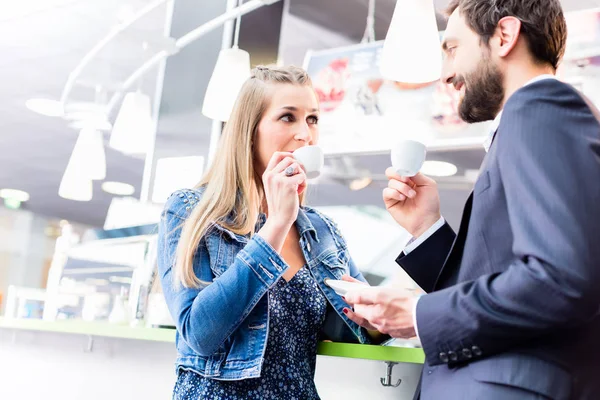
[
  {"x": 95, "y": 163},
  {"x": 411, "y": 51},
  {"x": 75, "y": 185},
  {"x": 133, "y": 128},
  {"x": 87, "y": 163},
  {"x": 88, "y": 155},
  {"x": 230, "y": 73}
]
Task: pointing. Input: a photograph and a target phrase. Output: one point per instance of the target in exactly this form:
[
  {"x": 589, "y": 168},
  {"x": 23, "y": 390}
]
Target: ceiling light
[
  {"x": 118, "y": 188},
  {"x": 360, "y": 184},
  {"x": 88, "y": 155},
  {"x": 13, "y": 198},
  {"x": 14, "y": 194},
  {"x": 47, "y": 107},
  {"x": 230, "y": 73},
  {"x": 134, "y": 127},
  {"x": 75, "y": 184},
  {"x": 438, "y": 168},
  {"x": 471, "y": 175},
  {"x": 87, "y": 162},
  {"x": 413, "y": 31}
]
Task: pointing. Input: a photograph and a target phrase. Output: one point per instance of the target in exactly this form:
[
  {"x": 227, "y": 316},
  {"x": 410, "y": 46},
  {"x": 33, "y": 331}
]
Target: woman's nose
[{"x": 303, "y": 133}]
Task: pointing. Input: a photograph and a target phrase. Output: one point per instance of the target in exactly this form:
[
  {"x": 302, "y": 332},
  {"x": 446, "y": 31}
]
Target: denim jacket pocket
[{"x": 336, "y": 261}]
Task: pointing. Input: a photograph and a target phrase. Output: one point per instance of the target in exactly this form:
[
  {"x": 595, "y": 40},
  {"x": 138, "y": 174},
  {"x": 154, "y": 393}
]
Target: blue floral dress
[{"x": 296, "y": 315}]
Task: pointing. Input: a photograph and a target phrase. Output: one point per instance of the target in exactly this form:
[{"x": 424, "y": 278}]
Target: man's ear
[{"x": 506, "y": 36}]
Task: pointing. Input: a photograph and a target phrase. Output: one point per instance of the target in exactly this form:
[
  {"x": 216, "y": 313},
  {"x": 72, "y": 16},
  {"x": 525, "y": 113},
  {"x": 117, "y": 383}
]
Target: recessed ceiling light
[
  {"x": 47, "y": 107},
  {"x": 118, "y": 188},
  {"x": 14, "y": 194},
  {"x": 360, "y": 183},
  {"x": 471, "y": 175},
  {"x": 438, "y": 168}
]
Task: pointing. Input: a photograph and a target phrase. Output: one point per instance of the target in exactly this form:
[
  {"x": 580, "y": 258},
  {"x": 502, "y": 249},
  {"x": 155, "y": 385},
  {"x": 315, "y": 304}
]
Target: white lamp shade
[
  {"x": 88, "y": 155},
  {"x": 230, "y": 73},
  {"x": 411, "y": 51},
  {"x": 75, "y": 184},
  {"x": 134, "y": 127}
]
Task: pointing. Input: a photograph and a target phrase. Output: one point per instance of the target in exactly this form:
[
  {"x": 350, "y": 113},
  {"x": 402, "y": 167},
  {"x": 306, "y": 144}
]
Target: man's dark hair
[{"x": 542, "y": 23}]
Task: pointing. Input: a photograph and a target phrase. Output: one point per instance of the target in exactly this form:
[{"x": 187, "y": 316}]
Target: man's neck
[{"x": 518, "y": 77}]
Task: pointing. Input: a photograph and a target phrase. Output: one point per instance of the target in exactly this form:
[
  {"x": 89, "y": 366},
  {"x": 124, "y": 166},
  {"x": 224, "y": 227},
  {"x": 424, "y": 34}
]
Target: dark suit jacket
[{"x": 521, "y": 279}]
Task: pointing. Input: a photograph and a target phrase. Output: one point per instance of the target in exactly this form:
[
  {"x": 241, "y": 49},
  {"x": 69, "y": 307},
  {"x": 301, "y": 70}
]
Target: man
[{"x": 512, "y": 310}]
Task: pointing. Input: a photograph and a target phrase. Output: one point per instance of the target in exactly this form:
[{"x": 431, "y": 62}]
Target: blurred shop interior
[{"x": 102, "y": 119}]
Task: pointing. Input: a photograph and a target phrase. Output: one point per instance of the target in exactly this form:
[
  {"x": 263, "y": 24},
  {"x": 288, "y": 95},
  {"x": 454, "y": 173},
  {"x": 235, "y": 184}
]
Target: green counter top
[
  {"x": 91, "y": 328},
  {"x": 380, "y": 353},
  {"x": 367, "y": 352}
]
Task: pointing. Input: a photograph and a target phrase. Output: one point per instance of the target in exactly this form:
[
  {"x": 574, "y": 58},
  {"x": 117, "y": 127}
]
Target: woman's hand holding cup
[{"x": 282, "y": 180}]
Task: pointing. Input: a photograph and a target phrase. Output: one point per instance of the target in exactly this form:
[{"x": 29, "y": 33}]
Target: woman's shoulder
[
  {"x": 323, "y": 222},
  {"x": 315, "y": 215},
  {"x": 181, "y": 202}
]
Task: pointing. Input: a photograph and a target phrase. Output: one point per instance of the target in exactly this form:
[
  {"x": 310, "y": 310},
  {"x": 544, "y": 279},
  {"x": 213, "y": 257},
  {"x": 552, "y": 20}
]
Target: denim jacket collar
[{"x": 304, "y": 225}]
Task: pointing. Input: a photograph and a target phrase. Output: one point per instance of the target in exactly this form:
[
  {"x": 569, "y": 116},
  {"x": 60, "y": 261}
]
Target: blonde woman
[{"x": 243, "y": 262}]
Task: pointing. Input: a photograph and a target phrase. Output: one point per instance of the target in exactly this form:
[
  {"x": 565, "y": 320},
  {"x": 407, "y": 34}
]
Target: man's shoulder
[{"x": 552, "y": 92}]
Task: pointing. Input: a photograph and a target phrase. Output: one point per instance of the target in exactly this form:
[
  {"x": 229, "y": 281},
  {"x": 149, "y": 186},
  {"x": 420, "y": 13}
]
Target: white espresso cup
[
  {"x": 312, "y": 160},
  {"x": 408, "y": 157}
]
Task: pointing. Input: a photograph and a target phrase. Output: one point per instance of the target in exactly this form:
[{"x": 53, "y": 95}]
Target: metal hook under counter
[
  {"x": 90, "y": 344},
  {"x": 387, "y": 381}
]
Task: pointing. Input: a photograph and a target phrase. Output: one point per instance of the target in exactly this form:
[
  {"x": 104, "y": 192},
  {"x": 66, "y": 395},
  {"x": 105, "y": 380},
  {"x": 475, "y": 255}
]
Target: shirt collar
[{"x": 496, "y": 122}]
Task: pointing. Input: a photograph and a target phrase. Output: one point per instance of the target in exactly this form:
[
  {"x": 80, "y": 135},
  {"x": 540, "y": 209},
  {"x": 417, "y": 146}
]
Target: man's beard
[{"x": 484, "y": 93}]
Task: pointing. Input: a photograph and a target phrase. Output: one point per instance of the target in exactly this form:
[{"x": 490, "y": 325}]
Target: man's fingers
[
  {"x": 348, "y": 278},
  {"x": 422, "y": 180},
  {"x": 403, "y": 188},
  {"x": 390, "y": 195},
  {"x": 360, "y": 320},
  {"x": 367, "y": 296}
]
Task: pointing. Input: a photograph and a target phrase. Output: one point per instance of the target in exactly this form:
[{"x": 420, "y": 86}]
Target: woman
[{"x": 243, "y": 263}]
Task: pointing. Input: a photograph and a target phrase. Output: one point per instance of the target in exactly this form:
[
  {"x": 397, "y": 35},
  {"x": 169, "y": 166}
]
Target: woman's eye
[
  {"x": 287, "y": 118},
  {"x": 313, "y": 120}
]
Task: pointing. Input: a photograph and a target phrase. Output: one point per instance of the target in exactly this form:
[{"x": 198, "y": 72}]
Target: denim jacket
[{"x": 222, "y": 328}]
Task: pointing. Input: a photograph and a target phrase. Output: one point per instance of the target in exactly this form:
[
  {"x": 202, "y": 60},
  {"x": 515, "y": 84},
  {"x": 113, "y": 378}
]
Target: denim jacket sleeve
[{"x": 205, "y": 317}]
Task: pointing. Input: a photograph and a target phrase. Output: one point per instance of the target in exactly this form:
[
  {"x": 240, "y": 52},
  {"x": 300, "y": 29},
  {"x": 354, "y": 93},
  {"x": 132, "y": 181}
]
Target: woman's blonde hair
[{"x": 232, "y": 187}]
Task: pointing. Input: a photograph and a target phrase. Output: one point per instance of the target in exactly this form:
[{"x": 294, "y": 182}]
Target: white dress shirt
[{"x": 415, "y": 242}]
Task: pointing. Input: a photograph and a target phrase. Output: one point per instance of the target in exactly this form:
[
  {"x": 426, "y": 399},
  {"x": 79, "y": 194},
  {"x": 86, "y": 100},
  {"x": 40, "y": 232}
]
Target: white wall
[{"x": 57, "y": 366}]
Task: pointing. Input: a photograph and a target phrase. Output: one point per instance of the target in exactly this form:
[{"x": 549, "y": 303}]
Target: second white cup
[{"x": 408, "y": 157}]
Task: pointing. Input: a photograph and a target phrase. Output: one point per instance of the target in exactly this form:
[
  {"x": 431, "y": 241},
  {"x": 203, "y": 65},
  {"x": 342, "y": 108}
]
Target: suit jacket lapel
[
  {"x": 456, "y": 251},
  {"x": 455, "y": 254}
]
